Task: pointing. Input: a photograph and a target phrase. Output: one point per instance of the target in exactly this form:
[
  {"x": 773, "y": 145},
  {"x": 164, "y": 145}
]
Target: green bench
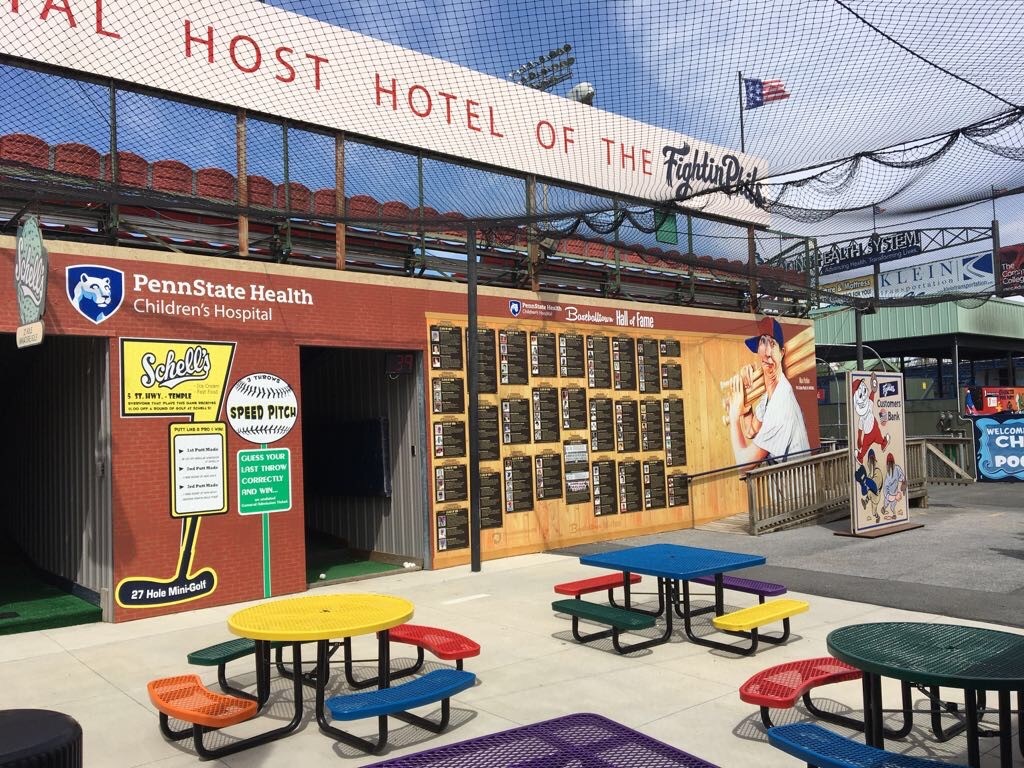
[
  {"x": 619, "y": 619},
  {"x": 231, "y": 650}
]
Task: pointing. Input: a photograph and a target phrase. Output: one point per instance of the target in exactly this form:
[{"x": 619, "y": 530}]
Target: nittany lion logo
[
  {"x": 515, "y": 307},
  {"x": 95, "y": 291}
]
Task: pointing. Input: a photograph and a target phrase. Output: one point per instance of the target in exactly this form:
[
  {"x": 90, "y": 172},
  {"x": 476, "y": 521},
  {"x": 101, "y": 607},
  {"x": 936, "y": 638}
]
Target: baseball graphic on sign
[{"x": 262, "y": 408}]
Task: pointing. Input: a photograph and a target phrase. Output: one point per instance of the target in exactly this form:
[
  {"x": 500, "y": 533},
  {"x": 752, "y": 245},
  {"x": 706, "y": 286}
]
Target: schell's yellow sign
[{"x": 168, "y": 378}]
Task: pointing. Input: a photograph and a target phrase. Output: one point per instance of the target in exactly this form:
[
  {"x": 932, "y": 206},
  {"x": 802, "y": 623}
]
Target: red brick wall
[
  {"x": 146, "y": 537},
  {"x": 346, "y": 311}
]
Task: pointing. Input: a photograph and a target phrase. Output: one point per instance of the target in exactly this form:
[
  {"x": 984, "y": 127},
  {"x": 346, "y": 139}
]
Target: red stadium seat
[
  {"x": 261, "y": 191},
  {"x": 454, "y": 229},
  {"x": 574, "y": 246},
  {"x": 216, "y": 183},
  {"x": 77, "y": 160},
  {"x": 363, "y": 208},
  {"x": 132, "y": 169},
  {"x": 325, "y": 202},
  {"x": 25, "y": 148},
  {"x": 172, "y": 176},
  {"x": 399, "y": 212},
  {"x": 299, "y": 199}
]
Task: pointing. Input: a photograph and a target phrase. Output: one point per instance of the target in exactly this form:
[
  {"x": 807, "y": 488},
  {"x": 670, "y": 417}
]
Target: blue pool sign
[{"x": 1000, "y": 447}]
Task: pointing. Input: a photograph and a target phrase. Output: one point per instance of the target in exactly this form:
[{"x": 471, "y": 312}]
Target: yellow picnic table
[{"x": 319, "y": 619}]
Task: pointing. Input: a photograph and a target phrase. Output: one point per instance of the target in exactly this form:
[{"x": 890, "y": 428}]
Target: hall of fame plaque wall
[
  {"x": 585, "y": 432},
  {"x": 581, "y": 431}
]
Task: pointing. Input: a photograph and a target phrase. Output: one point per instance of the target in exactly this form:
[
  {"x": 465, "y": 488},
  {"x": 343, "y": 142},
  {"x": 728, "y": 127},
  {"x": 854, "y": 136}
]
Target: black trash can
[{"x": 39, "y": 738}]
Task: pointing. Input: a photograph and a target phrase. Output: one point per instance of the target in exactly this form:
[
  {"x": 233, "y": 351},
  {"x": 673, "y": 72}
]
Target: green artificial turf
[
  {"x": 28, "y": 602},
  {"x": 337, "y": 562}
]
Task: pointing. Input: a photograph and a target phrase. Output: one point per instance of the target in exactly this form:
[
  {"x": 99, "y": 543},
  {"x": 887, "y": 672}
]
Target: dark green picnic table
[{"x": 973, "y": 659}]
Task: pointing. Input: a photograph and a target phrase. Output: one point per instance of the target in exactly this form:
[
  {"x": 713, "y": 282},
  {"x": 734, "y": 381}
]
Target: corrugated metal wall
[
  {"x": 56, "y": 459},
  {"x": 349, "y": 385}
]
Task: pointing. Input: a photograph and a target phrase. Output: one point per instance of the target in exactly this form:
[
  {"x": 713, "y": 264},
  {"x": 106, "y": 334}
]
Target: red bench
[
  {"x": 780, "y": 686},
  {"x": 597, "y": 584},
  {"x": 443, "y": 643}
]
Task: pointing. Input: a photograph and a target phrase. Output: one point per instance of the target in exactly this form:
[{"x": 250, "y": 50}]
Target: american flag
[
  {"x": 760, "y": 92},
  {"x": 877, "y": 210}
]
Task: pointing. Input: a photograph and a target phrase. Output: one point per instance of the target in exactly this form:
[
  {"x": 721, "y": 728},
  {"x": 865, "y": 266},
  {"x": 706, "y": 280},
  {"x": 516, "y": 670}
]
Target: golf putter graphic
[
  {"x": 197, "y": 453},
  {"x": 149, "y": 591}
]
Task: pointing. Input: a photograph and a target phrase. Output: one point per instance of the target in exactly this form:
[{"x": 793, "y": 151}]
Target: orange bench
[{"x": 186, "y": 698}]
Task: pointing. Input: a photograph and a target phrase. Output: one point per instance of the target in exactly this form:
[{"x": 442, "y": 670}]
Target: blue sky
[{"x": 669, "y": 64}]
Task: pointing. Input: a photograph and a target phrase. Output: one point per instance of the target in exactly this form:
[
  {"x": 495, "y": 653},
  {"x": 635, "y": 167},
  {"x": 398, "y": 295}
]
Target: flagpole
[{"x": 743, "y": 142}]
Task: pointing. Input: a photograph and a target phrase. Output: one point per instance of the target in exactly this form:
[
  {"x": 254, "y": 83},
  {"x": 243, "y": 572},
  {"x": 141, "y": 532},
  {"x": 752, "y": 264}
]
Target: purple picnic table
[{"x": 582, "y": 740}]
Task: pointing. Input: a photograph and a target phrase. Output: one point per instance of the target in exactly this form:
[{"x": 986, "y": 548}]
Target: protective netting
[{"x": 897, "y": 115}]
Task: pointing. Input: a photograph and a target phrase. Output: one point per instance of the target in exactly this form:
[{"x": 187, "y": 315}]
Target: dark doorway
[{"x": 363, "y": 444}]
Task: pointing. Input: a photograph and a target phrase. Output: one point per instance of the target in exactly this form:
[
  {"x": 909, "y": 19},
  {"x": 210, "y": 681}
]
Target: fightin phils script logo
[{"x": 685, "y": 167}]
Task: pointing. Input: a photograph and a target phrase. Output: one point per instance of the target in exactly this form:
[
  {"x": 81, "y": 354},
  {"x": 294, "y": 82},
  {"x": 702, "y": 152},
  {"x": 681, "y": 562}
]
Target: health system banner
[
  {"x": 251, "y": 55},
  {"x": 878, "y": 456},
  {"x": 999, "y": 441}
]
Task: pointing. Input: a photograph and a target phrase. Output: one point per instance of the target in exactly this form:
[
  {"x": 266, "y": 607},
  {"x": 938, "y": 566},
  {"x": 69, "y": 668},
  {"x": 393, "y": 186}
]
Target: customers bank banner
[{"x": 999, "y": 447}]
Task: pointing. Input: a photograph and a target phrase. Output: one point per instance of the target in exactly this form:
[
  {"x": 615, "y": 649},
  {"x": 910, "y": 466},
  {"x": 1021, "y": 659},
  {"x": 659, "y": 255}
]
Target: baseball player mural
[{"x": 877, "y": 451}]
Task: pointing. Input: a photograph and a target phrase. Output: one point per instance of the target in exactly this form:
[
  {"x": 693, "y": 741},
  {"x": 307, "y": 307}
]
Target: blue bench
[
  {"x": 436, "y": 686},
  {"x": 821, "y": 748},
  {"x": 762, "y": 589}
]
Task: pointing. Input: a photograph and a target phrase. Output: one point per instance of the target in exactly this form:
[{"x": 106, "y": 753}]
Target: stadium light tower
[{"x": 546, "y": 71}]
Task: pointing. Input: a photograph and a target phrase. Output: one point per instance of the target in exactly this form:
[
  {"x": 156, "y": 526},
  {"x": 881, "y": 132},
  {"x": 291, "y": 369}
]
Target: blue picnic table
[{"x": 674, "y": 565}]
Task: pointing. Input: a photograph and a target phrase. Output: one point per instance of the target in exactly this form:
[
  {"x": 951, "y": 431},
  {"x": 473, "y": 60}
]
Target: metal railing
[{"x": 817, "y": 488}]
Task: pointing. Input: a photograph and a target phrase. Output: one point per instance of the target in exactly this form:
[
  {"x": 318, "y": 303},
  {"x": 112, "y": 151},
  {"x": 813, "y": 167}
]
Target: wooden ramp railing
[{"x": 817, "y": 488}]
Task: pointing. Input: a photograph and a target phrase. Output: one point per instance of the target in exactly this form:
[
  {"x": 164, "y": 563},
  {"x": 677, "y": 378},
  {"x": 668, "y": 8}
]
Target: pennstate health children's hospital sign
[{"x": 247, "y": 54}]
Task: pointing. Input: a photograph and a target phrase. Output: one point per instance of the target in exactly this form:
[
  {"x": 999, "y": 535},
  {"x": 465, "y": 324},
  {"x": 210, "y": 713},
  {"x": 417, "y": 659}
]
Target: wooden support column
[
  {"x": 752, "y": 267},
  {"x": 243, "y": 183},
  {"x": 339, "y": 200},
  {"x": 532, "y": 246}
]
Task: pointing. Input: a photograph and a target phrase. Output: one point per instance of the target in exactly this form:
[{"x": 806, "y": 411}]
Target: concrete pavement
[{"x": 530, "y": 668}]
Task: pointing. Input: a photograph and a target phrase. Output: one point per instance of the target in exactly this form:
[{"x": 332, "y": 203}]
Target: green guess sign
[{"x": 264, "y": 481}]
